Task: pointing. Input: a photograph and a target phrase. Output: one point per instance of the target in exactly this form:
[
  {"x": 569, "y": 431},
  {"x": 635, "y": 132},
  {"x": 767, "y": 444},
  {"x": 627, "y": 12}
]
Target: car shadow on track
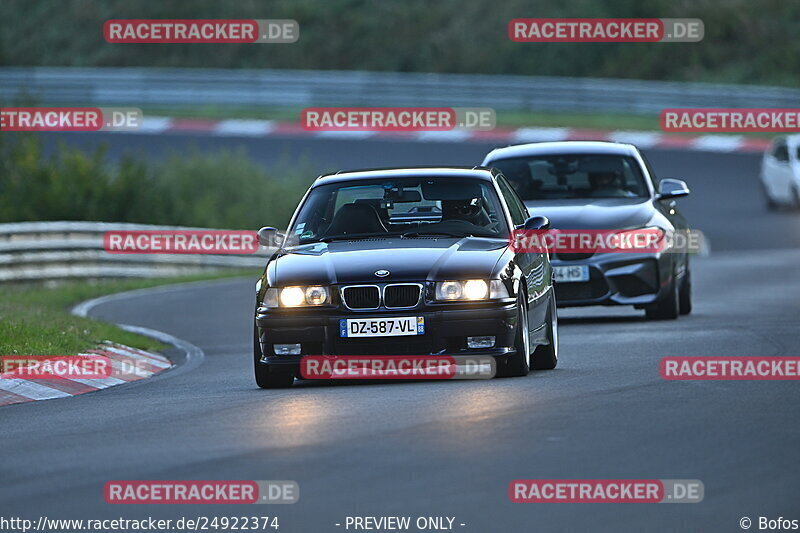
[
  {"x": 330, "y": 383},
  {"x": 604, "y": 319}
]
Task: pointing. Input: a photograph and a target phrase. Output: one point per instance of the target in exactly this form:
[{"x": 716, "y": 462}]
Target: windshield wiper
[
  {"x": 412, "y": 234},
  {"x": 332, "y": 238}
]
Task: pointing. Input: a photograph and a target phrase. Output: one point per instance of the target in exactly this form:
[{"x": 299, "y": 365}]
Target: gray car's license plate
[{"x": 572, "y": 273}]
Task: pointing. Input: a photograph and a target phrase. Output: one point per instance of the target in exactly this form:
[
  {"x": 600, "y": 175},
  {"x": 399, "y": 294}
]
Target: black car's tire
[
  {"x": 685, "y": 295},
  {"x": 264, "y": 378},
  {"x": 668, "y": 307},
  {"x": 517, "y": 364},
  {"x": 796, "y": 194},
  {"x": 272, "y": 380},
  {"x": 545, "y": 357}
]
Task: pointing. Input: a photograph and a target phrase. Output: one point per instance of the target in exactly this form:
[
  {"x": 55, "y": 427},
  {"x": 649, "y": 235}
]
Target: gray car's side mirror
[
  {"x": 536, "y": 223},
  {"x": 269, "y": 237},
  {"x": 672, "y": 188}
]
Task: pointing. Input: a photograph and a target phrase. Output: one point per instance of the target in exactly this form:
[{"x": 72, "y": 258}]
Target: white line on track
[{"x": 31, "y": 390}]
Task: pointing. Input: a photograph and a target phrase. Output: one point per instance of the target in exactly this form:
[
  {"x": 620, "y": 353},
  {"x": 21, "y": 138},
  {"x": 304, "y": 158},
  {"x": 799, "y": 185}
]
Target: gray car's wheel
[
  {"x": 685, "y": 296},
  {"x": 545, "y": 357},
  {"x": 668, "y": 307},
  {"x": 518, "y": 364},
  {"x": 264, "y": 378}
]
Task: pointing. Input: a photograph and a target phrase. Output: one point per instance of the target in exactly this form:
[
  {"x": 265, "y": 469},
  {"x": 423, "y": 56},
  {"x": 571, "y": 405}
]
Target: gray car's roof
[
  {"x": 438, "y": 172},
  {"x": 561, "y": 147}
]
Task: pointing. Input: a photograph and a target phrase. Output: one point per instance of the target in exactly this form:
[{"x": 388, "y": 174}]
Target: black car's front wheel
[
  {"x": 517, "y": 364},
  {"x": 264, "y": 378},
  {"x": 545, "y": 356}
]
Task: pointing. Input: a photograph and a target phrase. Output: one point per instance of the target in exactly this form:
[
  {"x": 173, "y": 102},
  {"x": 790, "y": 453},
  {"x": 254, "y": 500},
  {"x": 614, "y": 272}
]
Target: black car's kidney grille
[
  {"x": 406, "y": 295},
  {"x": 361, "y": 297}
]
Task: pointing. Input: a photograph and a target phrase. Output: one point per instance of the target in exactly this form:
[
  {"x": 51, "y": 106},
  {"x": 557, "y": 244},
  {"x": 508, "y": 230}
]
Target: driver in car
[
  {"x": 469, "y": 210},
  {"x": 607, "y": 184}
]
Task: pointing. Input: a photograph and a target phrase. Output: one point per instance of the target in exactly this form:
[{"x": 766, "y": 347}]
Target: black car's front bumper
[
  {"x": 446, "y": 330},
  {"x": 615, "y": 279}
]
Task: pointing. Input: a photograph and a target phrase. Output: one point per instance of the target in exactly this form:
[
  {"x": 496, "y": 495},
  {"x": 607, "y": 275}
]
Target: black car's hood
[
  {"x": 599, "y": 213},
  {"x": 414, "y": 259}
]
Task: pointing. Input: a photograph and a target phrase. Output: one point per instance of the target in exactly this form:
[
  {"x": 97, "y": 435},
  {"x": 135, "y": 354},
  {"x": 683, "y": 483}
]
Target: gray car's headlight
[
  {"x": 470, "y": 290},
  {"x": 297, "y": 296}
]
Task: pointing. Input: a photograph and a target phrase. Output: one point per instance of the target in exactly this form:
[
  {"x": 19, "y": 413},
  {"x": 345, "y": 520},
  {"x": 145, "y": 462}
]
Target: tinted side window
[
  {"x": 781, "y": 152},
  {"x": 519, "y": 213}
]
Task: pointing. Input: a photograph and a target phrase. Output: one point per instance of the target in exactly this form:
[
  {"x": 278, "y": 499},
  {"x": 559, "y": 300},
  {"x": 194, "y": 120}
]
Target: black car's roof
[{"x": 482, "y": 173}]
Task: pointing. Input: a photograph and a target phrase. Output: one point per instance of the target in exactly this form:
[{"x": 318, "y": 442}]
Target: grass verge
[{"x": 35, "y": 318}]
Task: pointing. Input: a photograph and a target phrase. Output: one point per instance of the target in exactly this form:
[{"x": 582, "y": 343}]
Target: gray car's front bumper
[{"x": 616, "y": 279}]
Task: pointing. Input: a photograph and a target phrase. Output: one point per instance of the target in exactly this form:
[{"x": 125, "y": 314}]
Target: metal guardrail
[
  {"x": 159, "y": 87},
  {"x": 63, "y": 250}
]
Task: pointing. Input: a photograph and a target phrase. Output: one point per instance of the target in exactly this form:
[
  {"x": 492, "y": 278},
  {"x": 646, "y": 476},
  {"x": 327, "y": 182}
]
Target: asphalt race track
[
  {"x": 726, "y": 202},
  {"x": 451, "y": 448}
]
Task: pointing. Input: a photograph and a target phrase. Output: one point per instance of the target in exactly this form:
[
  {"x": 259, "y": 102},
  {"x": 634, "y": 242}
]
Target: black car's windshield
[
  {"x": 409, "y": 207},
  {"x": 564, "y": 176}
]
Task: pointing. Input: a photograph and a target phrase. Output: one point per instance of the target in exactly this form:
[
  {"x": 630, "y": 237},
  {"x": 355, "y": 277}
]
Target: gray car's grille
[
  {"x": 575, "y": 256},
  {"x": 596, "y": 287},
  {"x": 361, "y": 297},
  {"x": 405, "y": 295}
]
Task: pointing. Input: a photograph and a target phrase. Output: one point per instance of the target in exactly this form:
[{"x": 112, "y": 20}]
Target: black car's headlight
[
  {"x": 470, "y": 290},
  {"x": 297, "y": 296}
]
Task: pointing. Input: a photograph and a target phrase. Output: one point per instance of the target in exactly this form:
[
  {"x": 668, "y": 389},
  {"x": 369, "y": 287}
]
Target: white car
[{"x": 780, "y": 172}]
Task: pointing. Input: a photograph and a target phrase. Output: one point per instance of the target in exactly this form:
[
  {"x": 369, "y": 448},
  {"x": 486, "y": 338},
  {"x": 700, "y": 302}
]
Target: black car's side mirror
[
  {"x": 535, "y": 223},
  {"x": 671, "y": 188},
  {"x": 269, "y": 237}
]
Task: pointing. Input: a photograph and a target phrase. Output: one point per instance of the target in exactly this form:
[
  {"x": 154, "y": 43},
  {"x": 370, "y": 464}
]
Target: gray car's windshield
[
  {"x": 564, "y": 176},
  {"x": 407, "y": 207}
]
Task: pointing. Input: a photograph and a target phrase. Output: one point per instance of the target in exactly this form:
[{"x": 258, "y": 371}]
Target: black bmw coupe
[{"x": 405, "y": 262}]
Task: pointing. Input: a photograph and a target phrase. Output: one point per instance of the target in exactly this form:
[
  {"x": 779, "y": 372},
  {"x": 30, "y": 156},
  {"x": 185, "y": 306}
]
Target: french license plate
[
  {"x": 571, "y": 274},
  {"x": 382, "y": 327}
]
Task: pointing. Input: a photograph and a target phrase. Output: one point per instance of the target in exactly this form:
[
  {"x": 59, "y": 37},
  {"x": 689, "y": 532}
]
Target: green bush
[
  {"x": 218, "y": 190},
  {"x": 746, "y": 41}
]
